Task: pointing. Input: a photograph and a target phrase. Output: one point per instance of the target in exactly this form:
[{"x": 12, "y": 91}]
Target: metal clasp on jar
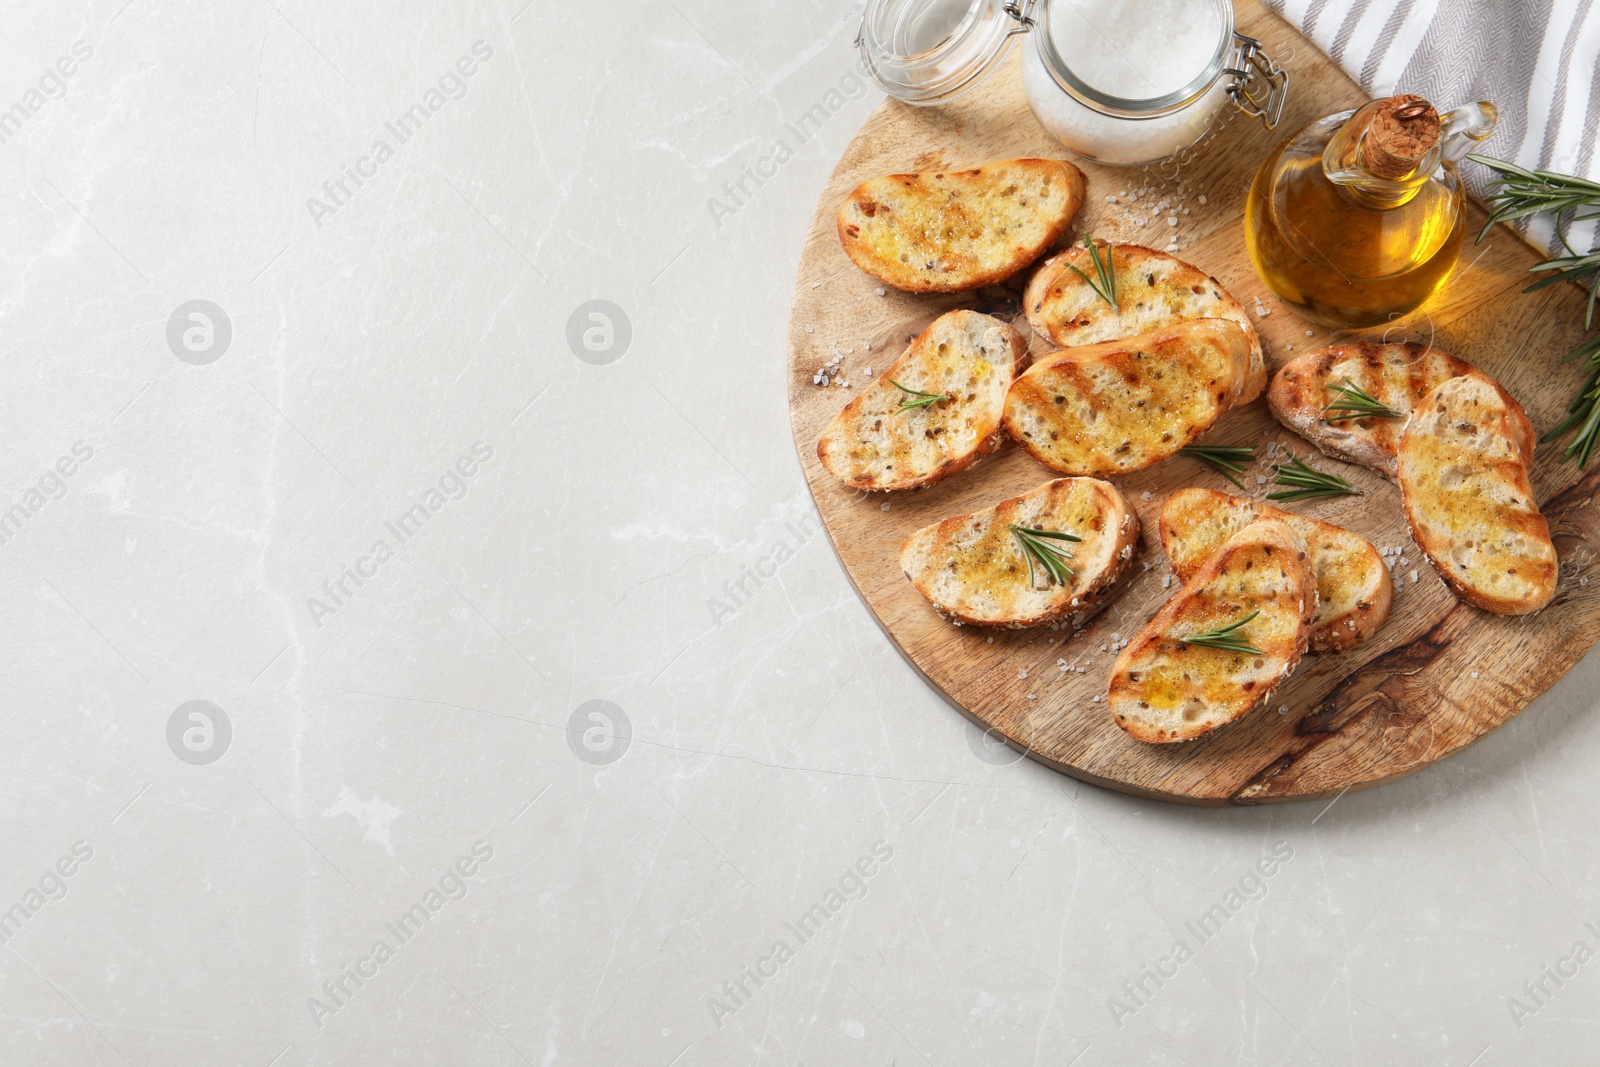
[
  {"x": 1260, "y": 87},
  {"x": 1023, "y": 13}
]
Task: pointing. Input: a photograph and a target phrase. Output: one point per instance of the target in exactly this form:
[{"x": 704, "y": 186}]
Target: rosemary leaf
[
  {"x": 1226, "y": 460},
  {"x": 1519, "y": 193},
  {"x": 1228, "y": 638},
  {"x": 1306, "y": 481},
  {"x": 1106, "y": 288},
  {"x": 1355, "y": 402},
  {"x": 915, "y": 398},
  {"x": 1040, "y": 546}
]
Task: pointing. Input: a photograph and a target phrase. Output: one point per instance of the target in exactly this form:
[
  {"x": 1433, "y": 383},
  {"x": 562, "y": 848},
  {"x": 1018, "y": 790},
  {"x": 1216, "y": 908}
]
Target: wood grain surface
[{"x": 1437, "y": 677}]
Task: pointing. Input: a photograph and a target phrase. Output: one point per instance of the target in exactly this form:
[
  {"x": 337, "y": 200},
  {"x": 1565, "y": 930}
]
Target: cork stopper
[{"x": 1402, "y": 130}]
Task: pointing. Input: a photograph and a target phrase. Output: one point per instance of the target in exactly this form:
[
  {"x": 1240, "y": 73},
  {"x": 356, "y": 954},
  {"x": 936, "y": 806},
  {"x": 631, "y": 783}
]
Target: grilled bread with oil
[
  {"x": 1164, "y": 689},
  {"x": 878, "y": 443},
  {"x": 1398, "y": 376},
  {"x": 949, "y": 231},
  {"x": 1463, "y": 473},
  {"x": 1119, "y": 406},
  {"x": 1153, "y": 290},
  {"x": 1354, "y": 591},
  {"x": 974, "y": 569}
]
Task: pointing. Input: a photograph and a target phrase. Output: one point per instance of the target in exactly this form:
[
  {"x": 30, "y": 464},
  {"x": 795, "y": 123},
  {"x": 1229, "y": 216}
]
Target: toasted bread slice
[
  {"x": 1354, "y": 591},
  {"x": 1164, "y": 688},
  {"x": 975, "y": 569},
  {"x": 1122, "y": 405},
  {"x": 1154, "y": 290},
  {"x": 1396, "y": 375},
  {"x": 1463, "y": 474},
  {"x": 949, "y": 231},
  {"x": 876, "y": 443}
]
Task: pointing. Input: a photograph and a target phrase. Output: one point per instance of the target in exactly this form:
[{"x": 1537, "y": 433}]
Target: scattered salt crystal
[
  {"x": 1584, "y": 580},
  {"x": 991, "y": 640},
  {"x": 811, "y": 329},
  {"x": 1032, "y": 696},
  {"x": 882, "y": 291},
  {"x": 816, "y": 285},
  {"x": 1105, "y": 648},
  {"x": 883, "y": 506},
  {"x": 1145, "y": 495},
  {"x": 1166, "y": 583},
  {"x": 1413, "y": 577},
  {"x": 1474, "y": 674},
  {"x": 1111, "y": 200},
  {"x": 1309, "y": 333},
  {"x": 866, "y": 372},
  {"x": 869, "y": 346},
  {"x": 1261, "y": 479},
  {"x": 1096, "y": 700},
  {"x": 1203, "y": 199},
  {"x": 1022, "y": 674},
  {"x": 1283, "y": 709},
  {"x": 1172, "y": 220}
]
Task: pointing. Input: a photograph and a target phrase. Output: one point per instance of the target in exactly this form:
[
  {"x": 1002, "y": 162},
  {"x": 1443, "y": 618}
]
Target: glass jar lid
[{"x": 932, "y": 51}]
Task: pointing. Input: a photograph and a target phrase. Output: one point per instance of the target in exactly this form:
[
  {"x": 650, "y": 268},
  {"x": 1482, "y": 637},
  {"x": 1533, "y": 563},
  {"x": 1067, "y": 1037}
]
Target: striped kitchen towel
[{"x": 1538, "y": 61}]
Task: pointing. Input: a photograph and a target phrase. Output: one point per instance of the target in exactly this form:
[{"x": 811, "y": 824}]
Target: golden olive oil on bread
[
  {"x": 1396, "y": 375},
  {"x": 1354, "y": 590},
  {"x": 950, "y": 231},
  {"x": 934, "y": 412},
  {"x": 975, "y": 569},
  {"x": 1170, "y": 684},
  {"x": 1120, "y": 406},
  {"x": 1153, "y": 290},
  {"x": 1468, "y": 498}
]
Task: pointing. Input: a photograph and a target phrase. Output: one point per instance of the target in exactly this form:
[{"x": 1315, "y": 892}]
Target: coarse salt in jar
[{"x": 1124, "y": 82}]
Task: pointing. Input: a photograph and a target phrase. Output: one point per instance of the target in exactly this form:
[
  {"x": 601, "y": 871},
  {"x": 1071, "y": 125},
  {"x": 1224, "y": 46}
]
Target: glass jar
[{"x": 1124, "y": 82}]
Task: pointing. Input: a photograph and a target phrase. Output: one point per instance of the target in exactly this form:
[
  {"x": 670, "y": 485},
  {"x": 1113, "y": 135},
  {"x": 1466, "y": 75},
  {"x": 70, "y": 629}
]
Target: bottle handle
[{"x": 1462, "y": 129}]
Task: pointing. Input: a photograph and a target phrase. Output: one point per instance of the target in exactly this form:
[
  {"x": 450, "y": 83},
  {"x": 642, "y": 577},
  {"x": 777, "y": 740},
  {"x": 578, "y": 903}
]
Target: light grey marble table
[{"x": 403, "y": 666}]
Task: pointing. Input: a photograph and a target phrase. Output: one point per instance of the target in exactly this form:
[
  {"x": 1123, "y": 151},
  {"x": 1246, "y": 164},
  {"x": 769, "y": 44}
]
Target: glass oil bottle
[{"x": 1358, "y": 218}]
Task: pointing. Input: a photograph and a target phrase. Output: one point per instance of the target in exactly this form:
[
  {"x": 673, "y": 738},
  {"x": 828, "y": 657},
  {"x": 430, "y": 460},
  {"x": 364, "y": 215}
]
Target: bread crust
[
  {"x": 1354, "y": 589},
  {"x": 1120, "y": 406},
  {"x": 953, "y": 230},
  {"x": 972, "y": 570},
  {"x": 1164, "y": 690},
  {"x": 1154, "y": 290},
  {"x": 1464, "y": 477},
  {"x": 1397, "y": 375},
  {"x": 873, "y": 445}
]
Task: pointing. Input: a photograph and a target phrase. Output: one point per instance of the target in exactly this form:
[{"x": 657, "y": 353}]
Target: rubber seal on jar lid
[{"x": 932, "y": 51}]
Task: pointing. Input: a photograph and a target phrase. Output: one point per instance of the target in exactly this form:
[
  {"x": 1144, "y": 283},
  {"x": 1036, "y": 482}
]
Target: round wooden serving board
[{"x": 1437, "y": 677}]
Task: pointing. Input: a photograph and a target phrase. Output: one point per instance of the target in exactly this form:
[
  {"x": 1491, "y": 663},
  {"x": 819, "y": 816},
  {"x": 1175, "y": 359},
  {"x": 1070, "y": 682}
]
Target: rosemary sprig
[
  {"x": 1584, "y": 411},
  {"x": 1226, "y": 637},
  {"x": 1520, "y": 193},
  {"x": 1307, "y": 481},
  {"x": 1039, "y": 545},
  {"x": 1355, "y": 402},
  {"x": 1107, "y": 288},
  {"x": 1226, "y": 460},
  {"x": 915, "y": 398}
]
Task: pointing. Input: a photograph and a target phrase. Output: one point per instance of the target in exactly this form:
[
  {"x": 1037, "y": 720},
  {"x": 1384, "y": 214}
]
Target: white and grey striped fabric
[{"x": 1538, "y": 61}]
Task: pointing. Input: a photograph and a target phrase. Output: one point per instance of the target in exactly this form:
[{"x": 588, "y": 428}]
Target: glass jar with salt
[{"x": 1124, "y": 82}]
